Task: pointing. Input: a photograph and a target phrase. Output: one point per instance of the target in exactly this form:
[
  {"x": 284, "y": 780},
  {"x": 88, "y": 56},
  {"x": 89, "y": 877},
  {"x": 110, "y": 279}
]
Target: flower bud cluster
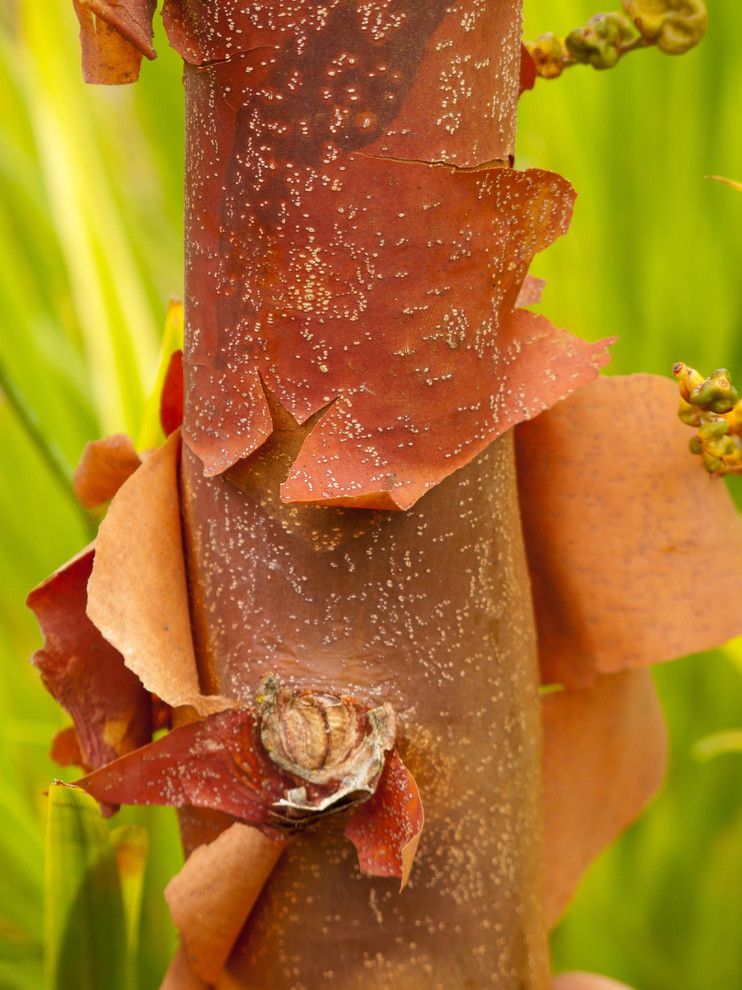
[
  {"x": 711, "y": 406},
  {"x": 672, "y": 26}
]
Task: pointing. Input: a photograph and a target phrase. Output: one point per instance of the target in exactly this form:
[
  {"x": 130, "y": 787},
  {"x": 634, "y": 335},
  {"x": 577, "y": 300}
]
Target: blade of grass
[
  {"x": 44, "y": 445},
  {"x": 85, "y": 928}
]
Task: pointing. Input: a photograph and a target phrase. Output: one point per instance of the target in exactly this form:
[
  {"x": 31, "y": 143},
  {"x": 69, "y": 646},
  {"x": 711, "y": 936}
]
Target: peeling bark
[
  {"x": 427, "y": 610},
  {"x": 356, "y": 243}
]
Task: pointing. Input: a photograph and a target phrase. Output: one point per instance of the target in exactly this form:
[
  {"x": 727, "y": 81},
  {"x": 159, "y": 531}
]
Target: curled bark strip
[
  {"x": 635, "y": 556},
  {"x": 333, "y": 280},
  {"x": 605, "y": 752},
  {"x": 110, "y": 709},
  {"x": 207, "y": 764},
  {"x": 114, "y": 36},
  {"x": 171, "y": 397},
  {"x": 213, "y": 894},
  {"x": 221, "y": 764},
  {"x": 415, "y": 79},
  {"x": 386, "y": 829},
  {"x": 537, "y": 365},
  {"x": 104, "y": 467},
  {"x": 137, "y": 595},
  {"x": 180, "y": 976}
]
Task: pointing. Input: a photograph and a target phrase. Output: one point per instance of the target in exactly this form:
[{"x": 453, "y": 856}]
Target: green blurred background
[{"x": 90, "y": 251}]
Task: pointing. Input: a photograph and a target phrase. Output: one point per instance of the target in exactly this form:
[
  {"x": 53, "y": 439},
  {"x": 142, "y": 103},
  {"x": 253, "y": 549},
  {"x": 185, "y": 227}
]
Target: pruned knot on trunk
[{"x": 334, "y": 743}]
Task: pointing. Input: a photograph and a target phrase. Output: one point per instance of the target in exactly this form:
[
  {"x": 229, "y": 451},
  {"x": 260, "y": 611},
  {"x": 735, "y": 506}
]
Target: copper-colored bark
[
  {"x": 355, "y": 246},
  {"x": 635, "y": 554},
  {"x": 214, "y": 892},
  {"x": 137, "y": 595},
  {"x": 426, "y": 610},
  {"x": 114, "y": 36},
  {"x": 604, "y": 757},
  {"x": 103, "y": 468},
  {"x": 351, "y": 262}
]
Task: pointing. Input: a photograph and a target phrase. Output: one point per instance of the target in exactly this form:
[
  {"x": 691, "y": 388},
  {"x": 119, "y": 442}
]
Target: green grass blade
[
  {"x": 45, "y": 446},
  {"x": 131, "y": 844},
  {"x": 85, "y": 925}
]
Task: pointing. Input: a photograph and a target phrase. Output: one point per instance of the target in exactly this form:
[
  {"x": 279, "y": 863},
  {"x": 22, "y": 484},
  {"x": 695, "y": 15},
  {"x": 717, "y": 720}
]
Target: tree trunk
[{"x": 428, "y": 609}]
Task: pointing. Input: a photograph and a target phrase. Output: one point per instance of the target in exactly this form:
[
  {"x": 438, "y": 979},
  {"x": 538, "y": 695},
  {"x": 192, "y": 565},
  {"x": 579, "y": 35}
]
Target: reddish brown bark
[
  {"x": 111, "y": 711},
  {"x": 429, "y": 610},
  {"x": 355, "y": 245}
]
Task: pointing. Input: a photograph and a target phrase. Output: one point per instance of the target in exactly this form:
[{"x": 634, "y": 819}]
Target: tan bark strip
[
  {"x": 214, "y": 893},
  {"x": 113, "y": 38},
  {"x": 635, "y": 555},
  {"x": 137, "y": 595},
  {"x": 103, "y": 468},
  {"x": 180, "y": 976},
  {"x": 605, "y": 752}
]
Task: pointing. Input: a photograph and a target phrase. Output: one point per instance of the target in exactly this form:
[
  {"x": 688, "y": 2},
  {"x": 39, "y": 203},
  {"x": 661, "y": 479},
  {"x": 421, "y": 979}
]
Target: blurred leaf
[
  {"x": 45, "y": 446},
  {"x": 85, "y": 926},
  {"x": 729, "y": 182},
  {"x": 130, "y": 845},
  {"x": 718, "y": 744}
]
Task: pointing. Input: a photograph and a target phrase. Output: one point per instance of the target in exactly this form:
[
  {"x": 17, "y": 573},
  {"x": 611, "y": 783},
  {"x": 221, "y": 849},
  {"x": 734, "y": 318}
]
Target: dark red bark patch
[
  {"x": 216, "y": 763},
  {"x": 110, "y": 709},
  {"x": 527, "y": 70},
  {"x": 386, "y": 829},
  {"x": 171, "y": 397}
]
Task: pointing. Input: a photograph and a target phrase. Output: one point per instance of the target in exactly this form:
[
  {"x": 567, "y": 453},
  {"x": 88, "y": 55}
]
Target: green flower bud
[
  {"x": 716, "y": 393},
  {"x": 687, "y": 378},
  {"x": 600, "y": 41},
  {"x": 712, "y": 464},
  {"x": 714, "y": 429},
  {"x": 673, "y": 25},
  {"x": 695, "y": 446},
  {"x": 689, "y": 414}
]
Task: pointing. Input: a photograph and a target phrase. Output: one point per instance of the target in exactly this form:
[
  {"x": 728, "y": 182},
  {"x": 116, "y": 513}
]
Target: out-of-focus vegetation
[{"x": 90, "y": 231}]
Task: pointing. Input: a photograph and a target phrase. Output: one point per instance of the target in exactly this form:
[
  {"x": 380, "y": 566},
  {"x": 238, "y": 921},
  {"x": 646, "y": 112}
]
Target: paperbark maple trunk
[{"x": 427, "y": 609}]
